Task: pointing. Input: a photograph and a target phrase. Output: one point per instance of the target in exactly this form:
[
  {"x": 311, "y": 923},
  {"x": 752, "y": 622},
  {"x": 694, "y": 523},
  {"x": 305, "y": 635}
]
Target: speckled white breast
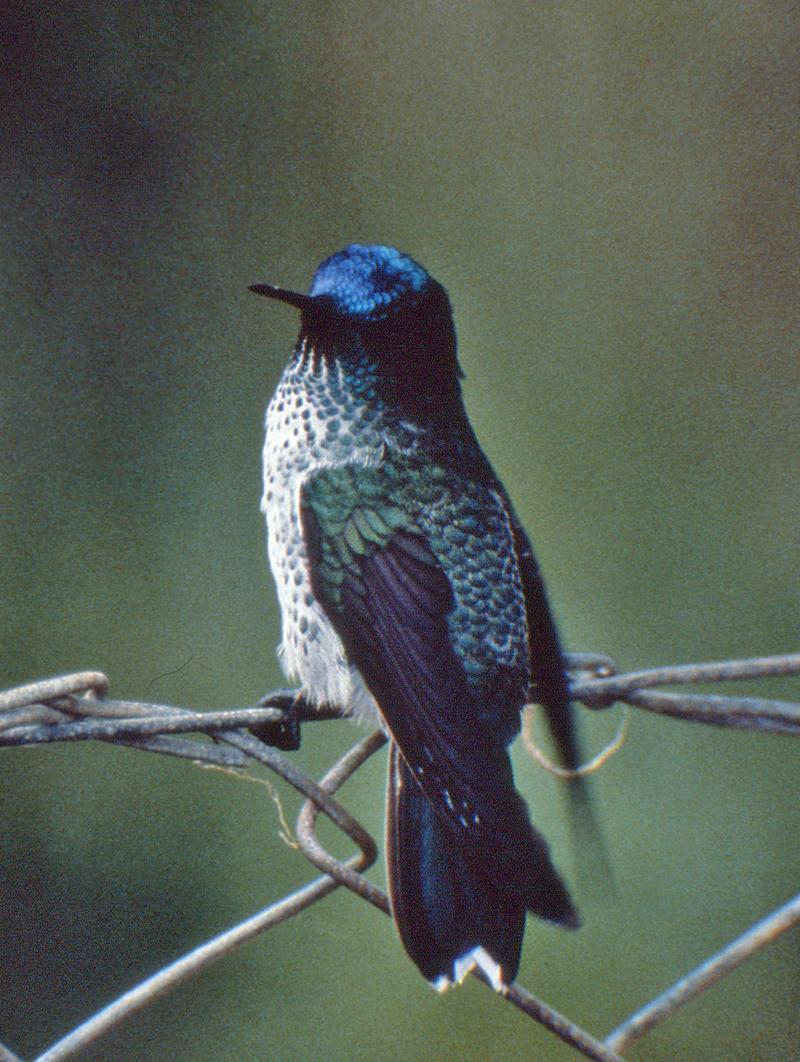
[{"x": 312, "y": 422}]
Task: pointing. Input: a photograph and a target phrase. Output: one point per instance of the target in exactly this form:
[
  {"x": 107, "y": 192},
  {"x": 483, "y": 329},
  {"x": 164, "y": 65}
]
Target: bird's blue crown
[{"x": 369, "y": 282}]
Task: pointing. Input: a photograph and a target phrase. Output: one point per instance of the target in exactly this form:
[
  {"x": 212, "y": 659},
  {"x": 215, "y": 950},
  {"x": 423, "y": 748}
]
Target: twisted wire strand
[{"x": 76, "y": 708}]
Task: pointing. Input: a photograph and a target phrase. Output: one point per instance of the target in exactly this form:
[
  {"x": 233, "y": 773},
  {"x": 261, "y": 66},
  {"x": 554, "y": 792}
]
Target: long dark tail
[{"x": 444, "y": 906}]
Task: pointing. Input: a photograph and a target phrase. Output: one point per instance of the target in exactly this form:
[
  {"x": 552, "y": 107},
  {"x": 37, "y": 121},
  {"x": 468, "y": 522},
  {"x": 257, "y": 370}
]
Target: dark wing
[
  {"x": 388, "y": 600},
  {"x": 551, "y": 691},
  {"x": 548, "y": 676}
]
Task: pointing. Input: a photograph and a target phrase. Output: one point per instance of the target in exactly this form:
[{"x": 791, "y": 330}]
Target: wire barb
[{"x": 605, "y": 687}]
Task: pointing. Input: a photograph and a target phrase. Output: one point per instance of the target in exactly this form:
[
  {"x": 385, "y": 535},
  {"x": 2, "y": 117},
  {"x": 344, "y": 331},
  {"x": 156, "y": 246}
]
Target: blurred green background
[{"x": 608, "y": 192}]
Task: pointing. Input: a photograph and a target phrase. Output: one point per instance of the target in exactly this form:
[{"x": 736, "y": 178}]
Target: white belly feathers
[{"x": 298, "y": 443}]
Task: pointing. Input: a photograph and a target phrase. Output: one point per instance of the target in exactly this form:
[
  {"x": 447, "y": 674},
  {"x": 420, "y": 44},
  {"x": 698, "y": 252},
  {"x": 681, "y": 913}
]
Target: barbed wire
[{"x": 76, "y": 708}]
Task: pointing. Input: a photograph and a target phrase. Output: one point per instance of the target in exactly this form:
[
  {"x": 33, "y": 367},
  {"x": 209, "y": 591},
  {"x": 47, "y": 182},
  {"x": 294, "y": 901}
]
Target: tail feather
[{"x": 450, "y": 915}]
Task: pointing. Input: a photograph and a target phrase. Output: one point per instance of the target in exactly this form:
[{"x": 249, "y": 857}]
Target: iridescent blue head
[
  {"x": 370, "y": 283},
  {"x": 382, "y": 303},
  {"x": 365, "y": 283}
]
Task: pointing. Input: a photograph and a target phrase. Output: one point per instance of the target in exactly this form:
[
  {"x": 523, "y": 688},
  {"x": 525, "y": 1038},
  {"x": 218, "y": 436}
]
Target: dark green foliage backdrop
[{"x": 608, "y": 191}]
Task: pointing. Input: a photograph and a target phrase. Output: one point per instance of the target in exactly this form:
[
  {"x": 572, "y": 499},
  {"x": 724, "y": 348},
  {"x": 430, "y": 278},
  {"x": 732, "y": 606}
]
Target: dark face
[
  {"x": 385, "y": 303},
  {"x": 378, "y": 301}
]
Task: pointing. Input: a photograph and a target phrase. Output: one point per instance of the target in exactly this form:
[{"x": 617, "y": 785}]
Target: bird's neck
[{"x": 410, "y": 409}]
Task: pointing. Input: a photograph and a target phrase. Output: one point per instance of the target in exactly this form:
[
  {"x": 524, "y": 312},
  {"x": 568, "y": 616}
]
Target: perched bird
[{"x": 410, "y": 597}]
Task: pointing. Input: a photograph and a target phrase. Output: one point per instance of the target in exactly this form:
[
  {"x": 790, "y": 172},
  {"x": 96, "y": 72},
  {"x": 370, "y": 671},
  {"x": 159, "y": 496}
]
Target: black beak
[{"x": 294, "y": 298}]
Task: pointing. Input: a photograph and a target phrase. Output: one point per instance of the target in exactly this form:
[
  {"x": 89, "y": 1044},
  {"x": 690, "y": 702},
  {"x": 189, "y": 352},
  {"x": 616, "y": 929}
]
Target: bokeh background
[{"x": 608, "y": 191}]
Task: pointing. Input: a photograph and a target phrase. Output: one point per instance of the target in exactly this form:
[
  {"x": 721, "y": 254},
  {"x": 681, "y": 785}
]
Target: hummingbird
[{"x": 410, "y": 597}]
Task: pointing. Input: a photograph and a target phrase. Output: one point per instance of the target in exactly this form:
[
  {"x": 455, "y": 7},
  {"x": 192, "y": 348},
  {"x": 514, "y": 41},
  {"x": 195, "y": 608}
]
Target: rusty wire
[{"x": 76, "y": 708}]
